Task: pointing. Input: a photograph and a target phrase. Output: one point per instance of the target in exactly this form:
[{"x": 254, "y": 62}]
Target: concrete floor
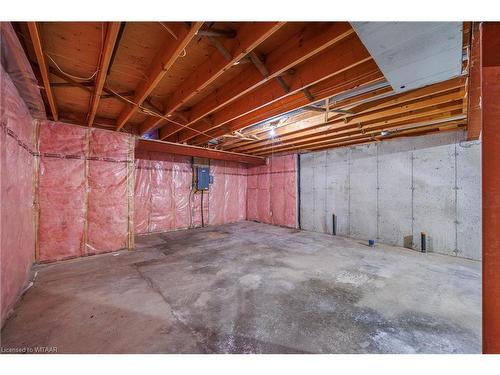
[{"x": 252, "y": 288}]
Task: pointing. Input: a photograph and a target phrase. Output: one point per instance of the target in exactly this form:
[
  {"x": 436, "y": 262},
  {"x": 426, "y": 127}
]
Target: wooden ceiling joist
[
  {"x": 375, "y": 110},
  {"x": 112, "y": 30},
  {"x": 444, "y": 125},
  {"x": 162, "y": 63},
  {"x": 330, "y": 132},
  {"x": 42, "y": 64},
  {"x": 364, "y": 73},
  {"x": 356, "y": 141},
  {"x": 435, "y": 106},
  {"x": 343, "y": 56},
  {"x": 210, "y": 97},
  {"x": 297, "y": 49},
  {"x": 248, "y": 37}
]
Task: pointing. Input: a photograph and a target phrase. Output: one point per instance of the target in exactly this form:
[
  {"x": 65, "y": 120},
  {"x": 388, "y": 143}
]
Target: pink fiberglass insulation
[
  {"x": 82, "y": 191},
  {"x": 228, "y": 198},
  {"x": 62, "y": 191},
  {"x": 182, "y": 181},
  {"x": 161, "y": 214},
  {"x": 164, "y": 199},
  {"x": 217, "y": 193},
  {"x": 17, "y": 239},
  {"x": 271, "y": 192},
  {"x": 108, "y": 203},
  {"x": 17, "y": 66}
]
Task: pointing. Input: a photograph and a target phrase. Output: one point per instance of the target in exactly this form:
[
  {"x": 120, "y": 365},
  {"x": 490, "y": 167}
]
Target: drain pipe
[{"x": 334, "y": 224}]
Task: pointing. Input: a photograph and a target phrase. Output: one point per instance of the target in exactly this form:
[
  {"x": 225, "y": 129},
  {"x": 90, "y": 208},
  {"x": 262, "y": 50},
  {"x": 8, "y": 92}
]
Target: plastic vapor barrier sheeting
[
  {"x": 228, "y": 196},
  {"x": 16, "y": 190},
  {"x": 164, "y": 199},
  {"x": 272, "y": 192},
  {"x": 84, "y": 191},
  {"x": 17, "y": 66}
]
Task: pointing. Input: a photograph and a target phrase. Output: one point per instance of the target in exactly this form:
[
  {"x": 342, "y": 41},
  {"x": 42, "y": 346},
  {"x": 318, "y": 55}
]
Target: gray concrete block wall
[
  {"x": 391, "y": 191},
  {"x": 468, "y": 161},
  {"x": 337, "y": 190},
  {"x": 363, "y": 192},
  {"x": 394, "y": 192}
]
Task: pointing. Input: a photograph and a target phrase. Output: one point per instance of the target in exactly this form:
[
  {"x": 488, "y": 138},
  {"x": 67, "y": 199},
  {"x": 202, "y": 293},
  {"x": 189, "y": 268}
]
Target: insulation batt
[
  {"x": 164, "y": 200},
  {"x": 272, "y": 192},
  {"x": 17, "y": 236},
  {"x": 83, "y": 178}
]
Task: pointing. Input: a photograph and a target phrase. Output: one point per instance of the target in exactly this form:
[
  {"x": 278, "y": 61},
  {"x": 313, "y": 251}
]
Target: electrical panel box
[{"x": 202, "y": 178}]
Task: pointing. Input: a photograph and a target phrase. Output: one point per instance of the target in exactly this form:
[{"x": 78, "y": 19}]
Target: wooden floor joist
[
  {"x": 345, "y": 55},
  {"x": 164, "y": 60},
  {"x": 42, "y": 64},
  {"x": 302, "y": 46},
  {"x": 247, "y": 38},
  {"x": 359, "y": 75},
  {"x": 224, "y": 83},
  {"x": 112, "y": 30}
]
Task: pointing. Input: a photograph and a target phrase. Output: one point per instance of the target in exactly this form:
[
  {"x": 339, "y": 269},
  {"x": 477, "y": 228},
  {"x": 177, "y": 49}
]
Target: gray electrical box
[{"x": 202, "y": 178}]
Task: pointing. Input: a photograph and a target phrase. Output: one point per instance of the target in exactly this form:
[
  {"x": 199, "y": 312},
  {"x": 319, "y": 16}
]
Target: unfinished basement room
[{"x": 250, "y": 187}]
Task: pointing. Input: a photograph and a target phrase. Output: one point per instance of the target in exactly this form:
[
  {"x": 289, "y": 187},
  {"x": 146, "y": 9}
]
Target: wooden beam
[
  {"x": 335, "y": 60},
  {"x": 249, "y": 36},
  {"x": 365, "y": 73},
  {"x": 176, "y": 148},
  {"x": 112, "y": 29},
  {"x": 42, "y": 64},
  {"x": 161, "y": 64},
  {"x": 314, "y": 38}
]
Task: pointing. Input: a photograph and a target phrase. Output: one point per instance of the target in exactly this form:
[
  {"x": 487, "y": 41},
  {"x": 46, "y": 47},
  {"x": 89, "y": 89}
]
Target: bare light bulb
[{"x": 272, "y": 132}]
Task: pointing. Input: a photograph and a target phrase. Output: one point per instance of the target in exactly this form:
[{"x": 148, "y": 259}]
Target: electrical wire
[
  {"x": 98, "y": 62},
  {"x": 155, "y": 114},
  {"x": 71, "y": 75},
  {"x": 175, "y": 37},
  {"x": 202, "y": 220}
]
